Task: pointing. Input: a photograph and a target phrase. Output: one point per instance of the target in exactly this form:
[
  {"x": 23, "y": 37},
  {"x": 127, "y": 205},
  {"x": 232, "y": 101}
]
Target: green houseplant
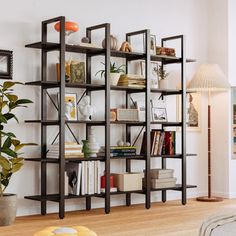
[
  {"x": 114, "y": 72},
  {"x": 11, "y": 159},
  {"x": 162, "y": 74}
]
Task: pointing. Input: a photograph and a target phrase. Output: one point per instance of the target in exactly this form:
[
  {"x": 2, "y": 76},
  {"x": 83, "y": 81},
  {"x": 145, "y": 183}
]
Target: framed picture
[
  {"x": 71, "y": 112},
  {"x": 153, "y": 44},
  {"x": 159, "y": 114},
  {"x": 6, "y": 64},
  {"x": 193, "y": 115}
]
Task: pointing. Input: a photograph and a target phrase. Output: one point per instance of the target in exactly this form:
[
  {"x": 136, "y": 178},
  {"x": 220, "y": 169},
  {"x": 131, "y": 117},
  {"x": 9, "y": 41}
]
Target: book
[
  {"x": 169, "y": 143},
  {"x": 79, "y": 179},
  {"x": 156, "y": 142},
  {"x": 99, "y": 174},
  {"x": 152, "y": 142},
  {"x": 112, "y": 190},
  {"x": 66, "y": 184}
]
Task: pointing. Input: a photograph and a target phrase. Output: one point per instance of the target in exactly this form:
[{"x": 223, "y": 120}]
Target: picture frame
[
  {"x": 159, "y": 114},
  {"x": 71, "y": 111},
  {"x": 6, "y": 64},
  {"x": 193, "y": 107},
  {"x": 153, "y": 44}
]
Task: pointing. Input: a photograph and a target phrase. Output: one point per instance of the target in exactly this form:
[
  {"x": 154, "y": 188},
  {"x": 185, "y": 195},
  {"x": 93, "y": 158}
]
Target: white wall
[{"x": 164, "y": 18}]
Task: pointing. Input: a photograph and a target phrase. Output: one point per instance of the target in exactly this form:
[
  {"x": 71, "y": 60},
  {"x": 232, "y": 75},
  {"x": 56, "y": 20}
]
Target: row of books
[
  {"x": 83, "y": 178},
  {"x": 72, "y": 150},
  {"x": 129, "y": 80},
  {"x": 118, "y": 151},
  {"x": 162, "y": 142}
]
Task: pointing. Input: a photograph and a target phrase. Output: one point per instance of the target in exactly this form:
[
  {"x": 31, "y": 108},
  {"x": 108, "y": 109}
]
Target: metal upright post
[
  {"x": 107, "y": 116},
  {"x": 43, "y": 117},
  {"x": 62, "y": 121},
  {"x": 88, "y": 81},
  {"x": 147, "y": 120},
  {"x": 183, "y": 115}
]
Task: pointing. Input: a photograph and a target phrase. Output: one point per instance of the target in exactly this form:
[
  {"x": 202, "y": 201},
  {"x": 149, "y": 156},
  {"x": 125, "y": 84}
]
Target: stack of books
[
  {"x": 128, "y": 80},
  {"x": 162, "y": 142},
  {"x": 118, "y": 151},
  {"x": 83, "y": 178},
  {"x": 72, "y": 150},
  {"x": 162, "y": 178}
]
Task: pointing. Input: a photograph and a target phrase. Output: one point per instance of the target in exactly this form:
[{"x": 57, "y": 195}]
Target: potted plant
[
  {"x": 11, "y": 160},
  {"x": 114, "y": 73},
  {"x": 163, "y": 82}
]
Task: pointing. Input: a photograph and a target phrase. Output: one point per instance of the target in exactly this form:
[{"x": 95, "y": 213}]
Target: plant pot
[
  {"x": 8, "y": 205},
  {"x": 114, "y": 78},
  {"x": 163, "y": 84}
]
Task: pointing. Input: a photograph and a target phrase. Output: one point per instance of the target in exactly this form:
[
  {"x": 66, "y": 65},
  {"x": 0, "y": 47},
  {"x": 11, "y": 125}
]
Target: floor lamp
[{"x": 209, "y": 78}]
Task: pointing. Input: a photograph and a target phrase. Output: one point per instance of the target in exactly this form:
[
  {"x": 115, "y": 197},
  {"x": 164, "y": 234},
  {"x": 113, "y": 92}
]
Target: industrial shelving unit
[{"x": 88, "y": 88}]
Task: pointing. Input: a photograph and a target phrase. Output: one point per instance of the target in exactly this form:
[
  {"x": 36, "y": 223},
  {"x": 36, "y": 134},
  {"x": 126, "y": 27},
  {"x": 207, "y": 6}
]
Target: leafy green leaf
[
  {"x": 3, "y": 119},
  {"x": 9, "y": 116},
  {"x": 23, "y": 101},
  {"x": 18, "y": 147},
  {"x": 5, "y": 163},
  {"x": 7, "y": 143},
  {"x": 16, "y": 167},
  {"x": 9, "y": 152},
  {"x": 15, "y": 142},
  {"x": 16, "y": 160},
  {"x": 8, "y": 134},
  {"x": 12, "y": 97},
  {"x": 8, "y": 84}
]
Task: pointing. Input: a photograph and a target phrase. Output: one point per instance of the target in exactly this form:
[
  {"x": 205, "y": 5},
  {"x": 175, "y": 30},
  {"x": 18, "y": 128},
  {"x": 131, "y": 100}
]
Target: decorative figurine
[
  {"x": 114, "y": 43},
  {"x": 125, "y": 47},
  {"x": 121, "y": 143},
  {"x": 86, "y": 109},
  {"x": 92, "y": 144}
]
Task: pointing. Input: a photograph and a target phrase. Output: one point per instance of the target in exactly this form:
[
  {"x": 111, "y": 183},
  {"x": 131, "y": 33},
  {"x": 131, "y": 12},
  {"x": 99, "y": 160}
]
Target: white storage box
[
  {"x": 163, "y": 183},
  {"x": 161, "y": 173},
  {"x": 128, "y": 181}
]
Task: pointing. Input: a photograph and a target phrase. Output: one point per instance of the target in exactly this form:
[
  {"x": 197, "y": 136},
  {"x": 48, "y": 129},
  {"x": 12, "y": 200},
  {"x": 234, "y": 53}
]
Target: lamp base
[{"x": 209, "y": 199}]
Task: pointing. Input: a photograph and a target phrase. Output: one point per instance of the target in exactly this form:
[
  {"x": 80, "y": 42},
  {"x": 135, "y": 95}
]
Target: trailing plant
[
  {"x": 162, "y": 73},
  {"x": 113, "y": 69},
  {"x": 11, "y": 159}
]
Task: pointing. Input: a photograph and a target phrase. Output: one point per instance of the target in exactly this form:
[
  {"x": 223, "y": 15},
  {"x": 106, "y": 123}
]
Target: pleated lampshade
[{"x": 209, "y": 77}]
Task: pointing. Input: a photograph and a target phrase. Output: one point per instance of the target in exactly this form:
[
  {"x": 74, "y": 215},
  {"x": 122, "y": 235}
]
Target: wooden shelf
[
  {"x": 57, "y": 122},
  {"x": 57, "y": 160},
  {"x": 175, "y": 156},
  {"x": 178, "y": 187}
]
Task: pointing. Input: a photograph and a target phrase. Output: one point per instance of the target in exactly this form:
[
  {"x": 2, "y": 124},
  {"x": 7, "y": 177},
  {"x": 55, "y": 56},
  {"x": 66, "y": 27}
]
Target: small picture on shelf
[
  {"x": 153, "y": 44},
  {"x": 6, "y": 60},
  {"x": 153, "y": 75},
  {"x": 71, "y": 106},
  {"x": 159, "y": 114}
]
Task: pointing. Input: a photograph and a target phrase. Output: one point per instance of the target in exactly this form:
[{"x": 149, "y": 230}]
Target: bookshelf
[{"x": 45, "y": 85}]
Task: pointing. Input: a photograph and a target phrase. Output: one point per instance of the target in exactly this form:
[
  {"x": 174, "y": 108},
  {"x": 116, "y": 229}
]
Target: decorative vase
[
  {"x": 163, "y": 84},
  {"x": 85, "y": 148},
  {"x": 8, "y": 205},
  {"x": 92, "y": 144},
  {"x": 114, "y": 78},
  {"x": 114, "y": 43},
  {"x": 86, "y": 109}
]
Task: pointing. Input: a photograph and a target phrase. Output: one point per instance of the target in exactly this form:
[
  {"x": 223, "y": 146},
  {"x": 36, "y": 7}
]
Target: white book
[
  {"x": 79, "y": 179},
  {"x": 98, "y": 177},
  {"x": 95, "y": 177},
  {"x": 66, "y": 184},
  {"x": 91, "y": 177},
  {"x": 83, "y": 177}
]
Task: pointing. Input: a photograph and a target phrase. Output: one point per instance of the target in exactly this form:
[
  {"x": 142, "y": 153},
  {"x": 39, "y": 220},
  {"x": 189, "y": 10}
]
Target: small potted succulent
[
  {"x": 11, "y": 160},
  {"x": 162, "y": 74},
  {"x": 115, "y": 73}
]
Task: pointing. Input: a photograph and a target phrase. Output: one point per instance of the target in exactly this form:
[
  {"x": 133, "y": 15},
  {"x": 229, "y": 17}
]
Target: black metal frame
[
  {"x": 9, "y": 57},
  {"x": 62, "y": 122}
]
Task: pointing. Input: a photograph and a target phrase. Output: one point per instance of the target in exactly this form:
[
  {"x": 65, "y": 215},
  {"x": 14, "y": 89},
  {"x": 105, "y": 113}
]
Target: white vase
[
  {"x": 92, "y": 144},
  {"x": 163, "y": 84},
  {"x": 114, "y": 78}
]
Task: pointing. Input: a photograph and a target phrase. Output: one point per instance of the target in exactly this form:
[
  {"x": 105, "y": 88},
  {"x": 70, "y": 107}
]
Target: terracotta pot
[
  {"x": 114, "y": 78},
  {"x": 8, "y": 206},
  {"x": 163, "y": 84}
]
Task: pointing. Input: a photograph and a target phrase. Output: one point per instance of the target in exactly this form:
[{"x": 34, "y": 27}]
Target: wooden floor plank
[{"x": 168, "y": 219}]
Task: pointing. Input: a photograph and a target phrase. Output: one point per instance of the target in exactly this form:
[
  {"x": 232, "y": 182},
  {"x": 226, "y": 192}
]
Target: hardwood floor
[{"x": 169, "y": 219}]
